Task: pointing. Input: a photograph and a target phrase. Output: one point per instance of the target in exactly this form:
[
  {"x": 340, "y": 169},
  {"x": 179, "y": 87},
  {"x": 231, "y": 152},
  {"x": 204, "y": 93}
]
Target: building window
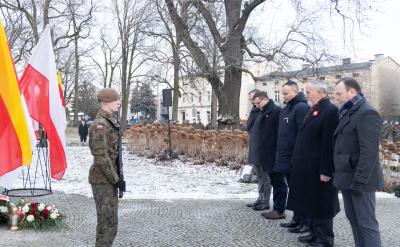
[
  {"x": 200, "y": 97},
  {"x": 264, "y": 84},
  {"x": 338, "y": 76},
  {"x": 208, "y": 96},
  {"x": 322, "y": 78},
  {"x": 209, "y": 116},
  {"x": 192, "y": 98},
  {"x": 276, "y": 83},
  {"x": 277, "y": 96},
  {"x": 356, "y": 74},
  {"x": 305, "y": 79}
]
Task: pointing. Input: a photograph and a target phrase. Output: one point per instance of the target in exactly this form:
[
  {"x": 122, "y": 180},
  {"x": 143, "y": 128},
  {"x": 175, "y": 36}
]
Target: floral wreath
[{"x": 30, "y": 214}]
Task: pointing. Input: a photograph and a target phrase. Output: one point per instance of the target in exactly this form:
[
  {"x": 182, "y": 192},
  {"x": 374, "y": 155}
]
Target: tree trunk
[
  {"x": 214, "y": 110},
  {"x": 175, "y": 99},
  {"x": 230, "y": 96},
  {"x": 229, "y": 99},
  {"x": 76, "y": 82},
  {"x": 124, "y": 70},
  {"x": 124, "y": 110}
]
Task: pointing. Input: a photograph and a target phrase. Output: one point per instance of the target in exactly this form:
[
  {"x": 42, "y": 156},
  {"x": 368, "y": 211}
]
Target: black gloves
[{"x": 121, "y": 185}]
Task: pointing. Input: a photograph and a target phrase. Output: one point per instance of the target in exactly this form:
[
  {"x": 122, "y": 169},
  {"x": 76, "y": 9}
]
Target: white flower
[
  {"x": 3, "y": 209},
  {"x": 54, "y": 216},
  {"x": 30, "y": 218},
  {"x": 41, "y": 207},
  {"x": 55, "y": 211},
  {"x": 49, "y": 208},
  {"x": 25, "y": 208}
]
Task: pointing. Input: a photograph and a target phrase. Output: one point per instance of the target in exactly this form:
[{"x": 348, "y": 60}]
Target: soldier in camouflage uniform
[{"x": 103, "y": 174}]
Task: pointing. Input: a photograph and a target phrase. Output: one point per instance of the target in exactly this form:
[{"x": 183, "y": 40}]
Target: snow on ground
[
  {"x": 148, "y": 180},
  {"x": 170, "y": 180}
]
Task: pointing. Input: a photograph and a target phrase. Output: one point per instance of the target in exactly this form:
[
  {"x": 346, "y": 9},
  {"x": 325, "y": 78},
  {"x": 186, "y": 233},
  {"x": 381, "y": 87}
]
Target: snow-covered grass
[{"x": 147, "y": 179}]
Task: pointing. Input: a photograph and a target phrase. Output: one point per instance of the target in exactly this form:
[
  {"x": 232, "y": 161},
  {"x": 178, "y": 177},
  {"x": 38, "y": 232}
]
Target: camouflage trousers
[{"x": 106, "y": 199}]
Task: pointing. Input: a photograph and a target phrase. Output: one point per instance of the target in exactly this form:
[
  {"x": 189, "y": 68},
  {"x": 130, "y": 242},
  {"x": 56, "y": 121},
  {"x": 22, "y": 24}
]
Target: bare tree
[
  {"x": 18, "y": 33},
  {"x": 80, "y": 16},
  {"x": 232, "y": 45},
  {"x": 111, "y": 59},
  {"x": 167, "y": 33},
  {"x": 32, "y": 11},
  {"x": 132, "y": 17},
  {"x": 67, "y": 67},
  {"x": 72, "y": 18}
]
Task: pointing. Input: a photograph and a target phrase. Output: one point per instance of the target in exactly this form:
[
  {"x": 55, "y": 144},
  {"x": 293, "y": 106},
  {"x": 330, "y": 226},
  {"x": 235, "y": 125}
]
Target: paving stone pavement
[{"x": 186, "y": 223}]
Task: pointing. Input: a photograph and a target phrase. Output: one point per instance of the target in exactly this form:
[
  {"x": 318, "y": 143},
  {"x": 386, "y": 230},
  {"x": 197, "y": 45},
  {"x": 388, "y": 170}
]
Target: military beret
[{"x": 107, "y": 95}]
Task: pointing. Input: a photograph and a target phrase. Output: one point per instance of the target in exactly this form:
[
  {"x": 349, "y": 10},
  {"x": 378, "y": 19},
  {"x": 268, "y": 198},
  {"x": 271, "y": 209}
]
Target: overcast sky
[
  {"x": 380, "y": 36},
  {"x": 383, "y": 36}
]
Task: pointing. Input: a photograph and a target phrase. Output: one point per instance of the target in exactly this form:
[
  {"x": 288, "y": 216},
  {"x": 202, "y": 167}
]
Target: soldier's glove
[{"x": 121, "y": 185}]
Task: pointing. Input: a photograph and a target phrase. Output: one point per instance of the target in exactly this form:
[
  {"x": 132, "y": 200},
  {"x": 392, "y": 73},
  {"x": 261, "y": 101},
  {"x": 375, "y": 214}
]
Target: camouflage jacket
[{"x": 103, "y": 143}]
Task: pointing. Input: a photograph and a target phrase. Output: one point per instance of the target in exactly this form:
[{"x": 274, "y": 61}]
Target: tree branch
[
  {"x": 210, "y": 22},
  {"x": 198, "y": 55},
  {"x": 240, "y": 25}
]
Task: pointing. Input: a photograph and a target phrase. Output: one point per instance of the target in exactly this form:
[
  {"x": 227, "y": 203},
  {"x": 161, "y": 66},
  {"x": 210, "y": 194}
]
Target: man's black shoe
[
  {"x": 250, "y": 205},
  {"x": 261, "y": 206},
  {"x": 309, "y": 238},
  {"x": 291, "y": 224},
  {"x": 299, "y": 229}
]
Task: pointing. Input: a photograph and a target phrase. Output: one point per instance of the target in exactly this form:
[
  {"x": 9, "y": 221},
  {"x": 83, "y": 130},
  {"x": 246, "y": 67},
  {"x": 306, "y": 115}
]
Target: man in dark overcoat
[
  {"x": 83, "y": 131},
  {"x": 358, "y": 173},
  {"x": 290, "y": 120},
  {"x": 250, "y": 157},
  {"x": 311, "y": 192},
  {"x": 264, "y": 134}
]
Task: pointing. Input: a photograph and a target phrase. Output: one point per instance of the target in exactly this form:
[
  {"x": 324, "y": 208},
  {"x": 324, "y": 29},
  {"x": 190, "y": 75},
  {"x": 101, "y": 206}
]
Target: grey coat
[{"x": 356, "y": 149}]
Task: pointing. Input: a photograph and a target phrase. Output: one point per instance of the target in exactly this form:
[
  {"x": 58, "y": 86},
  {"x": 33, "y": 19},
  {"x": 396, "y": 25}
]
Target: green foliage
[
  {"x": 143, "y": 101},
  {"x": 88, "y": 100}
]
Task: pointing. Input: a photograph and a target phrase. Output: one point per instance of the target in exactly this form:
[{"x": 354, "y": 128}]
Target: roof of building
[{"x": 316, "y": 71}]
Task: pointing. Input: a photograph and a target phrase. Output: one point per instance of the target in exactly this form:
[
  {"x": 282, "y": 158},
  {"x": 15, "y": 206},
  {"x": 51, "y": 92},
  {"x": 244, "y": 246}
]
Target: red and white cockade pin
[{"x": 314, "y": 113}]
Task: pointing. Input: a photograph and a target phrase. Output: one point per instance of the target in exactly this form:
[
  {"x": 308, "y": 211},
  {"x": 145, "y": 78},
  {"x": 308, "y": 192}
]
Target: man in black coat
[
  {"x": 83, "y": 131},
  {"x": 311, "y": 192},
  {"x": 251, "y": 152},
  {"x": 356, "y": 156},
  {"x": 264, "y": 137},
  {"x": 290, "y": 120}
]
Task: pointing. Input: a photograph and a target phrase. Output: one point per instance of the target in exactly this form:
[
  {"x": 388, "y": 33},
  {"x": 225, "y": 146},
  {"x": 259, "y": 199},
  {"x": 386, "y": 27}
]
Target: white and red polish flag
[{"x": 39, "y": 85}]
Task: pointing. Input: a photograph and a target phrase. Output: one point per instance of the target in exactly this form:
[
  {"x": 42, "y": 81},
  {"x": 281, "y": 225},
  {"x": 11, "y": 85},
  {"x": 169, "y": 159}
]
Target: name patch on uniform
[{"x": 99, "y": 127}]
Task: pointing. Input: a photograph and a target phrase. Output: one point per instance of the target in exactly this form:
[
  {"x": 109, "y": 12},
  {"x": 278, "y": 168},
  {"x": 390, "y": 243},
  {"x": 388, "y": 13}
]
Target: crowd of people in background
[{"x": 308, "y": 150}]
